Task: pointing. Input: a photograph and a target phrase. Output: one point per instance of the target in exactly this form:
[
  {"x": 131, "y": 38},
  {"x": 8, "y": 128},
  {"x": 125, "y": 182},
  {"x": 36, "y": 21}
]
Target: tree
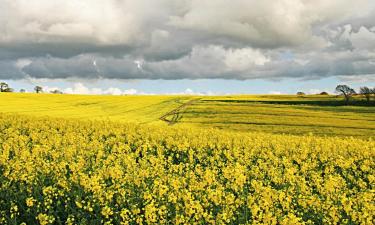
[
  {"x": 366, "y": 92},
  {"x": 56, "y": 92},
  {"x": 38, "y": 89},
  {"x": 8, "y": 89},
  {"x": 346, "y": 91},
  {"x": 22, "y": 90},
  {"x": 300, "y": 93},
  {"x": 323, "y": 93},
  {"x": 3, "y": 86}
]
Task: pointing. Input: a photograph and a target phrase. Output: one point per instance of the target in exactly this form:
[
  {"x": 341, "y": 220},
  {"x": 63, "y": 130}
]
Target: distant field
[
  {"x": 143, "y": 109},
  {"x": 320, "y": 115}
]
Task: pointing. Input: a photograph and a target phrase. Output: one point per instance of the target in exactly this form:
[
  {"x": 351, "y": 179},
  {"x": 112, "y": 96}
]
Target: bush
[{"x": 300, "y": 93}]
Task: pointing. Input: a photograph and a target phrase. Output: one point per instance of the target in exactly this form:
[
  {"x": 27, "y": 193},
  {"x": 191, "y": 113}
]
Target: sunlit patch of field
[{"x": 143, "y": 109}]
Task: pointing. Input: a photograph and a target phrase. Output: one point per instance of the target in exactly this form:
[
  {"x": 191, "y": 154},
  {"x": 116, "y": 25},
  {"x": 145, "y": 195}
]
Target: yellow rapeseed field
[
  {"x": 61, "y": 171},
  {"x": 140, "y": 109},
  {"x": 319, "y": 115}
]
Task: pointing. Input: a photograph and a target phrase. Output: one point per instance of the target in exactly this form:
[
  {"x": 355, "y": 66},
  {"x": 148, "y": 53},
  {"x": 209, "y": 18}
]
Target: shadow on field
[{"x": 287, "y": 125}]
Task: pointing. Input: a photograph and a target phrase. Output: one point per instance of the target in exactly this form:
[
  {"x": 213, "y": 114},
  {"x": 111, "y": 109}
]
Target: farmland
[
  {"x": 318, "y": 115},
  {"x": 141, "y": 109},
  {"x": 56, "y": 171},
  {"x": 281, "y": 114},
  {"x": 76, "y": 159}
]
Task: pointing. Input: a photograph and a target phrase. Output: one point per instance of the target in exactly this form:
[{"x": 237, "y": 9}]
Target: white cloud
[
  {"x": 48, "y": 89},
  {"x": 189, "y": 91},
  {"x": 358, "y": 79},
  {"x": 363, "y": 39},
  {"x": 69, "y": 21},
  {"x": 79, "y": 88},
  {"x": 130, "y": 92},
  {"x": 275, "y": 93},
  {"x": 21, "y": 63},
  {"x": 267, "y": 23},
  {"x": 242, "y": 59}
]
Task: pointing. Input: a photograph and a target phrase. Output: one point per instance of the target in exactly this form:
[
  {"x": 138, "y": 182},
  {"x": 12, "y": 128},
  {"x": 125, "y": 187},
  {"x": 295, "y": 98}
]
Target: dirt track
[{"x": 176, "y": 111}]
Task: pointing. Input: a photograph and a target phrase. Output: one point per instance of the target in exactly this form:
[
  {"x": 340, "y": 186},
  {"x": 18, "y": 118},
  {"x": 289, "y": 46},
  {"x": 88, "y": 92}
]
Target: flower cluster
[{"x": 75, "y": 172}]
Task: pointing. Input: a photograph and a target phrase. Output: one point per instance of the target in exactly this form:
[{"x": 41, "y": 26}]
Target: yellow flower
[
  {"x": 45, "y": 219},
  {"x": 106, "y": 211},
  {"x": 150, "y": 174},
  {"x": 30, "y": 201},
  {"x": 79, "y": 205}
]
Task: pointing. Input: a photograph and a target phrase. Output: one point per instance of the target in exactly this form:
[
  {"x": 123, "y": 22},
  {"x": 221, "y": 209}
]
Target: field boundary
[{"x": 176, "y": 112}]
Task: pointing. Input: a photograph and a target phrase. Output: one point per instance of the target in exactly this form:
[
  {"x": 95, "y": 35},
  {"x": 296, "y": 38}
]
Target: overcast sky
[{"x": 187, "y": 46}]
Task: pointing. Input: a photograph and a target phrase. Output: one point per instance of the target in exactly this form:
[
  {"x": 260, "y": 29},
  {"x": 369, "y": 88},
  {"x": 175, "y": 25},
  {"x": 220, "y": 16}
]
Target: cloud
[
  {"x": 202, "y": 62},
  {"x": 356, "y": 79},
  {"x": 79, "y": 88},
  {"x": 364, "y": 38},
  {"x": 189, "y": 91},
  {"x": 188, "y": 39},
  {"x": 275, "y": 93}
]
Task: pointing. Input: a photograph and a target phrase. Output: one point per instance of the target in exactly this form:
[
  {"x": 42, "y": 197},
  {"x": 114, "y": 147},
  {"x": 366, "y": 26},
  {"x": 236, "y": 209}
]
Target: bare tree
[
  {"x": 38, "y": 89},
  {"x": 346, "y": 91},
  {"x": 366, "y": 92},
  {"x": 3, "y": 86}
]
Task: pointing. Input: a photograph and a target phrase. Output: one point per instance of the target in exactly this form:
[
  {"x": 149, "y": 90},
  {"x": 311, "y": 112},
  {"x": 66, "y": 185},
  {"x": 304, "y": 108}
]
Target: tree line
[
  {"x": 348, "y": 92},
  {"x": 4, "y": 87},
  {"x": 342, "y": 89}
]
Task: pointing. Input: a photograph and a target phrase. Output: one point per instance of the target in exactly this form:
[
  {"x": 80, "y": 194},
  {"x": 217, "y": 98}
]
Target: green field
[
  {"x": 320, "y": 115},
  {"x": 281, "y": 114}
]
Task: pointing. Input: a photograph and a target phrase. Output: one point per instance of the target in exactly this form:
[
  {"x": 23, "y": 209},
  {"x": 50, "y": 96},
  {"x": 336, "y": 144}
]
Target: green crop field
[
  {"x": 281, "y": 114},
  {"x": 320, "y": 115}
]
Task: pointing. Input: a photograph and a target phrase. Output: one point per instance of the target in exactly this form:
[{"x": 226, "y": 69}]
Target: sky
[{"x": 187, "y": 46}]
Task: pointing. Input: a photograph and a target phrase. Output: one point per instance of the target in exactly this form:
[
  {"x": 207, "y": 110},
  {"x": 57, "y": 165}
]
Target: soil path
[{"x": 175, "y": 112}]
